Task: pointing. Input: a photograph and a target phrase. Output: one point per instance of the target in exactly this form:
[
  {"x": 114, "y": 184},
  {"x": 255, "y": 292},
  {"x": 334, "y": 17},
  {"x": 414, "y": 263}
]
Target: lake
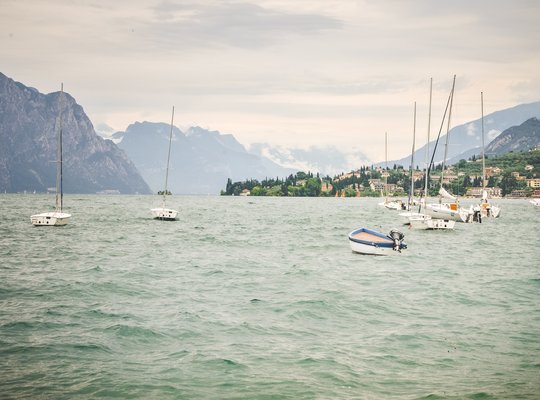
[{"x": 262, "y": 298}]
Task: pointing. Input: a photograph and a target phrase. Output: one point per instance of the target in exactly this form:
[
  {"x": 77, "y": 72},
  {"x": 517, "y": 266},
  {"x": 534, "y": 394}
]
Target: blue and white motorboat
[{"x": 367, "y": 241}]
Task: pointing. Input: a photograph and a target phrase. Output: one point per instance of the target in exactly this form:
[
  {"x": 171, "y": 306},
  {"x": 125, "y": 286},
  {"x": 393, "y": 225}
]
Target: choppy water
[{"x": 261, "y": 298}]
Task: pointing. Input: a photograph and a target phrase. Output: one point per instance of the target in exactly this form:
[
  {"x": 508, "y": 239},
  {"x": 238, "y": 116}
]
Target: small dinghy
[{"x": 367, "y": 241}]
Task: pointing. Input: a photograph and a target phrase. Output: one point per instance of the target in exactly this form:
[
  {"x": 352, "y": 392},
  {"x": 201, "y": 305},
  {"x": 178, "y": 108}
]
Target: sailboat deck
[{"x": 369, "y": 237}]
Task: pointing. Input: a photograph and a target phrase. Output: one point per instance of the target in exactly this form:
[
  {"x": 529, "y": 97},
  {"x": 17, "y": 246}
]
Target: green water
[{"x": 261, "y": 298}]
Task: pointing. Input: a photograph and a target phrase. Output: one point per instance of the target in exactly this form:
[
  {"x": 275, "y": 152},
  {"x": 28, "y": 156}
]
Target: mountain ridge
[
  {"x": 201, "y": 160},
  {"x": 465, "y": 137}
]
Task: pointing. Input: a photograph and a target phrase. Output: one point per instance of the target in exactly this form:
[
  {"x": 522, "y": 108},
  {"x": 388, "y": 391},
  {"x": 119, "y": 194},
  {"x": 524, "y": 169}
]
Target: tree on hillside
[{"x": 508, "y": 183}]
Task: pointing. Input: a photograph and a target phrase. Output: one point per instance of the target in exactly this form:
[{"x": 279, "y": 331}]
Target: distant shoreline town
[{"x": 512, "y": 175}]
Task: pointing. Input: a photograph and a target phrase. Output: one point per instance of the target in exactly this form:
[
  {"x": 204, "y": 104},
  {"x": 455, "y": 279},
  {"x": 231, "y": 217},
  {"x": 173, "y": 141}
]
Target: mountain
[
  {"x": 28, "y": 132},
  {"x": 201, "y": 160},
  {"x": 517, "y": 138},
  {"x": 327, "y": 160},
  {"x": 467, "y": 138}
]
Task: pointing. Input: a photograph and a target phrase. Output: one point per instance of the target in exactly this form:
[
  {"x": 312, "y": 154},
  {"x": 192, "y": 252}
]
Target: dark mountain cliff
[{"x": 28, "y": 130}]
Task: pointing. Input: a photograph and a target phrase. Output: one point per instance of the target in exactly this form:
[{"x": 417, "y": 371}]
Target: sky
[{"x": 289, "y": 73}]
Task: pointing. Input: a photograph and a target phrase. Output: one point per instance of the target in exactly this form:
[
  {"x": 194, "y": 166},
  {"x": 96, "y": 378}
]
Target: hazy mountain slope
[
  {"x": 201, "y": 160},
  {"x": 326, "y": 160},
  {"x": 465, "y": 137}
]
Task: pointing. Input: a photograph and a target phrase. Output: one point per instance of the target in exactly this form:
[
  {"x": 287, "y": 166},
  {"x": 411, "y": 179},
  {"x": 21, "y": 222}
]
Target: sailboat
[
  {"x": 56, "y": 217},
  {"x": 421, "y": 220},
  {"x": 391, "y": 205},
  {"x": 486, "y": 208},
  {"x": 164, "y": 213},
  {"x": 409, "y": 207},
  {"x": 448, "y": 210}
]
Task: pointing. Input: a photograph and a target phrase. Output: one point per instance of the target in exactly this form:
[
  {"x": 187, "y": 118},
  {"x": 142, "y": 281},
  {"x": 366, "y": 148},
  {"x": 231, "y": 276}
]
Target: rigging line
[
  {"x": 59, "y": 177},
  {"x": 425, "y": 194},
  {"x": 168, "y": 159},
  {"x": 411, "y": 193},
  {"x": 483, "y": 151},
  {"x": 439, "y": 135},
  {"x": 386, "y": 165},
  {"x": 448, "y": 131}
]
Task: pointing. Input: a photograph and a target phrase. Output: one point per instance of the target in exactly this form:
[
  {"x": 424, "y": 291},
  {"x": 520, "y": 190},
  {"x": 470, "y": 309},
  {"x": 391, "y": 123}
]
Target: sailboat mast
[
  {"x": 483, "y": 154},
  {"x": 386, "y": 164},
  {"x": 427, "y": 145},
  {"x": 447, "y": 132},
  {"x": 411, "y": 193},
  {"x": 59, "y": 189},
  {"x": 168, "y": 156}
]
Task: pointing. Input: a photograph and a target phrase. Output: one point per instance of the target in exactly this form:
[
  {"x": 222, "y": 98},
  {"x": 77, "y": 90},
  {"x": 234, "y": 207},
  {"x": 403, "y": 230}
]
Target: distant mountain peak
[{"x": 201, "y": 160}]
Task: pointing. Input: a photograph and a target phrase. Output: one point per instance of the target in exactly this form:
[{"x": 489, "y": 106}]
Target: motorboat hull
[
  {"x": 50, "y": 219},
  {"x": 367, "y": 241}
]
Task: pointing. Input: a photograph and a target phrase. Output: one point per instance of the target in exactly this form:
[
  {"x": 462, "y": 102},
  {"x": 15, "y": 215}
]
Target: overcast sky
[{"x": 285, "y": 72}]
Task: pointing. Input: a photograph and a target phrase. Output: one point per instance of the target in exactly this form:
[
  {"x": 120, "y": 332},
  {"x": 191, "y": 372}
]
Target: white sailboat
[
  {"x": 56, "y": 217},
  {"x": 164, "y": 213},
  {"x": 486, "y": 208},
  {"x": 447, "y": 210},
  {"x": 410, "y": 202},
  {"x": 421, "y": 220},
  {"x": 389, "y": 204}
]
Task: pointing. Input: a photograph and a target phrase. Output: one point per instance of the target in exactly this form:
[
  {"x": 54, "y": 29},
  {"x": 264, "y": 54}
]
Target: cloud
[
  {"x": 287, "y": 72},
  {"x": 178, "y": 26},
  {"x": 492, "y": 134},
  {"x": 471, "y": 129}
]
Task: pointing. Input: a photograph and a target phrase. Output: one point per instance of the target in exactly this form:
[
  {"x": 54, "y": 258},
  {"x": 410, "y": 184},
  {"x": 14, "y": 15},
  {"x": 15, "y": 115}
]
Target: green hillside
[{"x": 509, "y": 172}]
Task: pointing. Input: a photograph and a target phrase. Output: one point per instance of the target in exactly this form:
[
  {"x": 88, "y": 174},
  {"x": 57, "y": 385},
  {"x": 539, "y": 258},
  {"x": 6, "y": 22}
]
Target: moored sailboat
[
  {"x": 447, "y": 210},
  {"x": 56, "y": 217},
  {"x": 486, "y": 208},
  {"x": 421, "y": 220},
  {"x": 389, "y": 204},
  {"x": 410, "y": 201},
  {"x": 164, "y": 213}
]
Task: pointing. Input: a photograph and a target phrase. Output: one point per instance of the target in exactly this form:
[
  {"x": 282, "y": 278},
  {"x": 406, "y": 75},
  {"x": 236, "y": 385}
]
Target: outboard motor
[{"x": 397, "y": 237}]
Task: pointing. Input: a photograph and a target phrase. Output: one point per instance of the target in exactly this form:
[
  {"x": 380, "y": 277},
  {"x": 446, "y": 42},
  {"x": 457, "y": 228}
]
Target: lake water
[{"x": 262, "y": 298}]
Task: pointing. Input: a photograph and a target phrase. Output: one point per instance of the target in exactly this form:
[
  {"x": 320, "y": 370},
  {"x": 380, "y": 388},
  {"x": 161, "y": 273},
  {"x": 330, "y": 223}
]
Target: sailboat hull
[
  {"x": 405, "y": 216},
  {"x": 489, "y": 210},
  {"x": 165, "y": 214},
  {"x": 425, "y": 222},
  {"x": 443, "y": 211},
  {"x": 50, "y": 219}
]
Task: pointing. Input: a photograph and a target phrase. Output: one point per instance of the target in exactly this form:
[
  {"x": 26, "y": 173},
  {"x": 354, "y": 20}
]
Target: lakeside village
[{"x": 512, "y": 175}]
